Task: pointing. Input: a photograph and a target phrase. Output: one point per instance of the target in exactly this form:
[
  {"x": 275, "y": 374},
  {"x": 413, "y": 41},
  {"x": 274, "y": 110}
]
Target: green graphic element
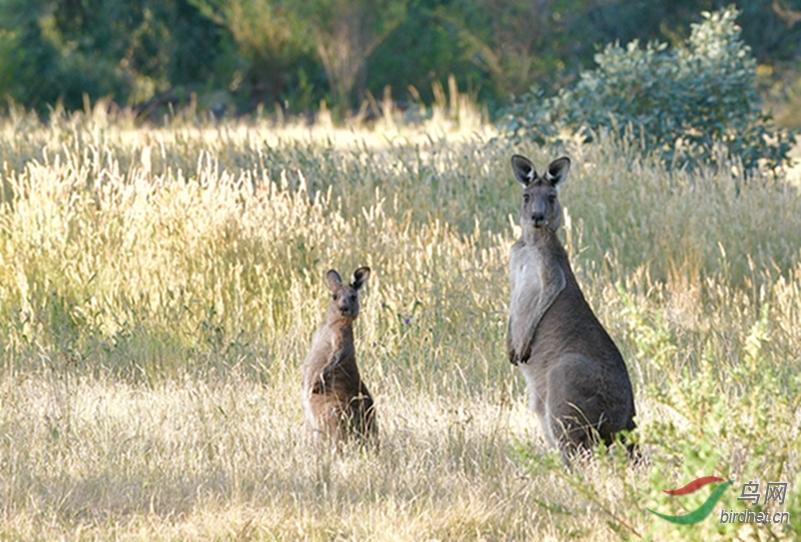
[{"x": 701, "y": 512}]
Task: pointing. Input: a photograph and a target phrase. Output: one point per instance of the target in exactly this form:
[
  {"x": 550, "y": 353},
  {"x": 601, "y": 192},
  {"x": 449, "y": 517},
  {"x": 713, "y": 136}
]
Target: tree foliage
[
  {"x": 516, "y": 41},
  {"x": 346, "y": 32},
  {"x": 63, "y": 49},
  {"x": 297, "y": 53},
  {"x": 684, "y": 103},
  {"x": 269, "y": 41}
]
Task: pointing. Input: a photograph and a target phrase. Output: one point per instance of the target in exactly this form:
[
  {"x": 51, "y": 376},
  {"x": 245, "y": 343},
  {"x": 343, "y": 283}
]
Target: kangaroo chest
[
  {"x": 526, "y": 277},
  {"x": 537, "y": 278}
]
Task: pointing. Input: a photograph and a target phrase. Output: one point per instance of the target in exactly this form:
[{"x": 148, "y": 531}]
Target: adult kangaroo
[
  {"x": 577, "y": 381},
  {"x": 336, "y": 403}
]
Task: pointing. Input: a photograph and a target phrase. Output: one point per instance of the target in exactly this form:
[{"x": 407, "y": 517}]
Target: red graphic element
[{"x": 694, "y": 485}]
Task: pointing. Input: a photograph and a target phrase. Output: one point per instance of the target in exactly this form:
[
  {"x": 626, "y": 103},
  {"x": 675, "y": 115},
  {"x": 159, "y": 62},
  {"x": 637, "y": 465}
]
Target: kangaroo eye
[
  {"x": 526, "y": 198},
  {"x": 552, "y": 198}
]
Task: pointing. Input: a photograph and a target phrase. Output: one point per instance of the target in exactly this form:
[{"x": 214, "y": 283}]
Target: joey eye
[{"x": 335, "y": 296}]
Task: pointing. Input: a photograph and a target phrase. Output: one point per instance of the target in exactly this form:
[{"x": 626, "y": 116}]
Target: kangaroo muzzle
[{"x": 538, "y": 219}]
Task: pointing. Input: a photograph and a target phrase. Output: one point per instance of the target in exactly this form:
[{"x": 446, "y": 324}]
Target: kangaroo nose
[{"x": 537, "y": 218}]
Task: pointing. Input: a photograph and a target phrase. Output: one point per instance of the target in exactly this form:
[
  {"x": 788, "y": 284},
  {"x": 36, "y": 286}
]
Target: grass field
[{"x": 159, "y": 288}]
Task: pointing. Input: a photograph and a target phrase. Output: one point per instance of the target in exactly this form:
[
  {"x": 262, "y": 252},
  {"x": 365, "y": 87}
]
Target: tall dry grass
[{"x": 159, "y": 287}]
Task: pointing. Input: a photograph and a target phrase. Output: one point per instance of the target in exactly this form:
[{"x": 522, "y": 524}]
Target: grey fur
[{"x": 577, "y": 380}]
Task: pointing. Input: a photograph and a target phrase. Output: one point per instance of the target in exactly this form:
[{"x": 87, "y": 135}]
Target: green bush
[{"x": 688, "y": 105}]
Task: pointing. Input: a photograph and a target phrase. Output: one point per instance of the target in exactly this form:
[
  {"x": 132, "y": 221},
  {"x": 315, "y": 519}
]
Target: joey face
[
  {"x": 345, "y": 296},
  {"x": 540, "y": 207}
]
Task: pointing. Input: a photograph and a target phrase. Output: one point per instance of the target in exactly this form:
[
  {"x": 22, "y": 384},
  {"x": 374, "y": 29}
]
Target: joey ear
[
  {"x": 360, "y": 277},
  {"x": 557, "y": 170},
  {"x": 523, "y": 169},
  {"x": 334, "y": 280}
]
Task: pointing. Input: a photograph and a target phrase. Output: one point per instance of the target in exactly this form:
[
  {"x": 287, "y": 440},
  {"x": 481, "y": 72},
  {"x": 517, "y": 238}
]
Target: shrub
[{"x": 689, "y": 105}]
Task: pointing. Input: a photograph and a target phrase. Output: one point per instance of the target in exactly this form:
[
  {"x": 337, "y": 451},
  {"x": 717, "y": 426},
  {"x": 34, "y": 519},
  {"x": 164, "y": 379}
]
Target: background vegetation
[
  {"x": 233, "y": 55},
  {"x": 689, "y": 105}
]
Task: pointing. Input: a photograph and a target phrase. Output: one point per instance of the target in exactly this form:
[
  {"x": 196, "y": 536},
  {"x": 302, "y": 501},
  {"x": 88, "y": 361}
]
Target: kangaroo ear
[
  {"x": 360, "y": 277},
  {"x": 334, "y": 280},
  {"x": 557, "y": 170},
  {"x": 523, "y": 169}
]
